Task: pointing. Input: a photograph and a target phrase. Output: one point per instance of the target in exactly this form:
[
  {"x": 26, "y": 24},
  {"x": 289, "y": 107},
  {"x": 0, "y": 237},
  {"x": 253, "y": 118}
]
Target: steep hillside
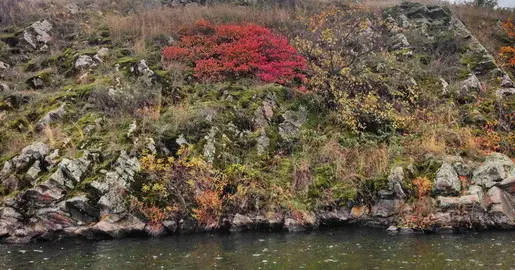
[{"x": 143, "y": 120}]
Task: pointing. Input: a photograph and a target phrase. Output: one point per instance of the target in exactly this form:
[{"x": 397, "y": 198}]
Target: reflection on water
[{"x": 344, "y": 248}]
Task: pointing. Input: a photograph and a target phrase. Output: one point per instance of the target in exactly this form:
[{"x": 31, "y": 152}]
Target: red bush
[{"x": 220, "y": 52}]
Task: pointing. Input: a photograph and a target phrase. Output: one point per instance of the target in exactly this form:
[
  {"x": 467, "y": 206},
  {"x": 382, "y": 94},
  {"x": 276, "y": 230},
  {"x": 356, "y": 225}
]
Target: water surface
[{"x": 343, "y": 248}]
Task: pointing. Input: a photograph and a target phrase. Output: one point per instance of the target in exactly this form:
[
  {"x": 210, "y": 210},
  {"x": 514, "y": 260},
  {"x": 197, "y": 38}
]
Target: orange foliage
[
  {"x": 491, "y": 141},
  {"x": 508, "y": 52},
  {"x": 209, "y": 208},
  {"x": 509, "y": 28},
  {"x": 423, "y": 186}
]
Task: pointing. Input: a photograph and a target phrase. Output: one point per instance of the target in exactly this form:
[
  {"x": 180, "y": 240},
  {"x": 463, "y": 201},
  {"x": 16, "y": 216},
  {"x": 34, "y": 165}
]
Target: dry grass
[
  {"x": 438, "y": 133},
  {"x": 150, "y": 23},
  {"x": 302, "y": 177},
  {"x": 441, "y": 140},
  {"x": 356, "y": 163}
]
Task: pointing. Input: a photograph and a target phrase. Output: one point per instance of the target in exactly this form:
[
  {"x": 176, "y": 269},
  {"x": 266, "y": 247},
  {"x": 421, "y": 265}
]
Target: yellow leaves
[{"x": 328, "y": 36}]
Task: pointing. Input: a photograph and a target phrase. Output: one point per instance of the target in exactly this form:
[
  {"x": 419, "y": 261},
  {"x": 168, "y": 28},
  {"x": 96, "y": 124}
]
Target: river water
[{"x": 343, "y": 248}]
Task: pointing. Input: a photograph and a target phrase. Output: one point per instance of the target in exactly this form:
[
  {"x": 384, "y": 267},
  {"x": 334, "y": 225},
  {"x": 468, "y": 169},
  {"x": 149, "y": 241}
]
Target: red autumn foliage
[{"x": 220, "y": 52}]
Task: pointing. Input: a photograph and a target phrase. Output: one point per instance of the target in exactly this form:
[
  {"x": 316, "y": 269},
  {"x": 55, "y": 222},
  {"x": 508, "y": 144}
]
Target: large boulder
[
  {"x": 334, "y": 217},
  {"x": 467, "y": 201},
  {"x": 447, "y": 180},
  {"x": 502, "y": 203},
  {"x": 495, "y": 169},
  {"x": 37, "y": 35},
  {"x": 241, "y": 223},
  {"x": 127, "y": 226},
  {"x": 395, "y": 180},
  {"x": 386, "y": 208}
]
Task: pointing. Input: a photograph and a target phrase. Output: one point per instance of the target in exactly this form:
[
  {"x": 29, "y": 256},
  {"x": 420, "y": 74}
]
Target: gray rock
[
  {"x": 144, "y": 72},
  {"x": 111, "y": 189},
  {"x": 181, "y": 140},
  {"x": 386, "y": 194},
  {"x": 69, "y": 173},
  {"x": 400, "y": 42},
  {"x": 504, "y": 92},
  {"x": 209, "y": 147},
  {"x": 405, "y": 23},
  {"x": 33, "y": 172},
  {"x": 51, "y": 117},
  {"x": 72, "y": 8},
  {"x": 395, "y": 180},
  {"x": 127, "y": 226},
  {"x": 336, "y": 216},
  {"x": 386, "y": 208},
  {"x": 293, "y": 120},
  {"x": 170, "y": 225},
  {"x": 508, "y": 184},
  {"x": 42, "y": 196},
  {"x": 36, "y": 82},
  {"x": 293, "y": 225},
  {"x": 260, "y": 121},
  {"x": 262, "y": 143},
  {"x": 4, "y": 66},
  {"x": 469, "y": 201},
  {"x": 471, "y": 85},
  {"x": 81, "y": 209},
  {"x": 506, "y": 81},
  {"x": 101, "y": 55},
  {"x": 37, "y": 34},
  {"x": 494, "y": 169},
  {"x": 502, "y": 202},
  {"x": 11, "y": 182},
  {"x": 84, "y": 62},
  {"x": 4, "y": 87},
  {"x": 437, "y": 13},
  {"x": 393, "y": 229},
  {"x": 445, "y": 85},
  {"x": 132, "y": 128},
  {"x": 475, "y": 190},
  {"x": 447, "y": 181},
  {"x": 29, "y": 154},
  {"x": 51, "y": 159},
  {"x": 241, "y": 222},
  {"x": 151, "y": 145}
]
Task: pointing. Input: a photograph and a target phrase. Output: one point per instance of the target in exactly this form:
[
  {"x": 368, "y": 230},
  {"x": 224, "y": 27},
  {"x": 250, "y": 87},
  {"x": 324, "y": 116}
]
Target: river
[{"x": 343, "y": 248}]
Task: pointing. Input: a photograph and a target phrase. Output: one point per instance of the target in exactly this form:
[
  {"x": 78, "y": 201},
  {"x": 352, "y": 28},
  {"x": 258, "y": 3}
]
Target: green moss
[
  {"x": 127, "y": 61},
  {"x": 72, "y": 92}
]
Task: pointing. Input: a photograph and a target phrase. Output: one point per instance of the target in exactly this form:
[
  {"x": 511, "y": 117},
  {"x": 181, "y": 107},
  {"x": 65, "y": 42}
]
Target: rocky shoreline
[{"x": 48, "y": 212}]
